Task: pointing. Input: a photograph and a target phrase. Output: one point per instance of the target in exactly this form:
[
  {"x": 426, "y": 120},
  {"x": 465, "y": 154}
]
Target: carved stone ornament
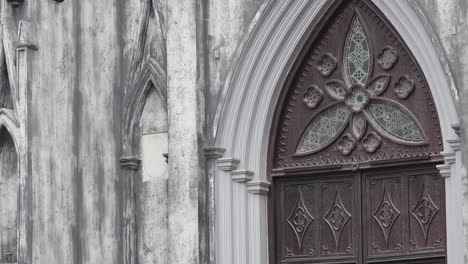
[
  {"x": 404, "y": 87},
  {"x": 370, "y": 93},
  {"x": 326, "y": 65},
  {"x": 346, "y": 144},
  {"x": 390, "y": 119},
  {"x": 313, "y": 97},
  {"x": 387, "y": 58},
  {"x": 371, "y": 142}
]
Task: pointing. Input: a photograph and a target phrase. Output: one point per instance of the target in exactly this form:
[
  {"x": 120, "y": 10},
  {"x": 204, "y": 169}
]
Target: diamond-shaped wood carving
[
  {"x": 300, "y": 219},
  {"x": 386, "y": 215},
  {"x": 425, "y": 211},
  {"x": 337, "y": 217}
]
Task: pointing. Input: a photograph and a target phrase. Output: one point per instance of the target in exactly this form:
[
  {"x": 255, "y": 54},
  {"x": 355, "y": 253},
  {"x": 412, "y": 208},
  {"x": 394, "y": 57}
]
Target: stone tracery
[{"x": 389, "y": 118}]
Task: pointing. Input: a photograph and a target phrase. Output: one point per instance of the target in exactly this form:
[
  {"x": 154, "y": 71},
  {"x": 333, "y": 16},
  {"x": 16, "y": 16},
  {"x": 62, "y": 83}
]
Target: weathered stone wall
[
  {"x": 78, "y": 79},
  {"x": 78, "y": 75},
  {"x": 448, "y": 20}
]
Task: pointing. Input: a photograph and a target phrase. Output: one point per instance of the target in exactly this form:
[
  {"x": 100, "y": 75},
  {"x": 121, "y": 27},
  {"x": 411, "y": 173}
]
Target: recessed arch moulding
[{"x": 245, "y": 115}]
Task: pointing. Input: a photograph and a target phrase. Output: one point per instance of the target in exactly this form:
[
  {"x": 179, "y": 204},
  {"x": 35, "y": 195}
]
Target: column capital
[
  {"x": 213, "y": 153},
  {"x": 258, "y": 187},
  {"x": 227, "y": 164},
  {"x": 242, "y": 176},
  {"x": 130, "y": 163}
]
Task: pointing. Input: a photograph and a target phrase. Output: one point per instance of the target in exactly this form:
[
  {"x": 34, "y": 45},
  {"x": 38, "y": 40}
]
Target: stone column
[
  {"x": 211, "y": 155},
  {"x": 24, "y": 46},
  {"x": 130, "y": 166},
  {"x": 186, "y": 227}
]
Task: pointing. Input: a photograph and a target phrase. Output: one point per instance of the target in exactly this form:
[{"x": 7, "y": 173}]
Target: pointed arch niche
[
  {"x": 145, "y": 148},
  {"x": 252, "y": 93},
  {"x": 9, "y": 188},
  {"x": 15, "y": 181}
]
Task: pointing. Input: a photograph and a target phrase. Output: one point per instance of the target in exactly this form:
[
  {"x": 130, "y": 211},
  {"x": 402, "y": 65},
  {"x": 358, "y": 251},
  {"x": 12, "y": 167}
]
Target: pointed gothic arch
[
  {"x": 147, "y": 78},
  {"x": 247, "y": 105},
  {"x": 9, "y": 194},
  {"x": 151, "y": 75},
  {"x": 7, "y": 57}
]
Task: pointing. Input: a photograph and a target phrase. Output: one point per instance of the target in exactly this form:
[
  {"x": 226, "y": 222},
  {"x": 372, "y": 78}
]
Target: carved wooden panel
[
  {"x": 356, "y": 94},
  {"x": 404, "y": 213},
  {"x": 317, "y": 219},
  {"x": 385, "y": 214},
  {"x": 426, "y": 207}
]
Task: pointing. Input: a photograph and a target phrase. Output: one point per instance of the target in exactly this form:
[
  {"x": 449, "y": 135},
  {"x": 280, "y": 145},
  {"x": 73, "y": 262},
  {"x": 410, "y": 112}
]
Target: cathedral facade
[{"x": 233, "y": 131}]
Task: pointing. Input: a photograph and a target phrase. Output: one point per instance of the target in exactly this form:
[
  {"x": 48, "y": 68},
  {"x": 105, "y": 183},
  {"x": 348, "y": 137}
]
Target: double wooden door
[{"x": 386, "y": 215}]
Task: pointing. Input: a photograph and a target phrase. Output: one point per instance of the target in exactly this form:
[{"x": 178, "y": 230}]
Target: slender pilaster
[
  {"x": 186, "y": 175},
  {"x": 224, "y": 213},
  {"x": 454, "y": 173},
  {"x": 130, "y": 167},
  {"x": 212, "y": 155},
  {"x": 25, "y": 44}
]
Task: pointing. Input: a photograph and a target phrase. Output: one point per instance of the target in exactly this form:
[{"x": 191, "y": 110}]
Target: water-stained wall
[
  {"x": 78, "y": 80},
  {"x": 79, "y": 72},
  {"x": 448, "y": 21}
]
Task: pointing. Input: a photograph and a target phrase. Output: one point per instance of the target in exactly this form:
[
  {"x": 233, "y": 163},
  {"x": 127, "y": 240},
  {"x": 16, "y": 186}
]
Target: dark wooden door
[
  {"x": 386, "y": 215},
  {"x": 353, "y": 148}
]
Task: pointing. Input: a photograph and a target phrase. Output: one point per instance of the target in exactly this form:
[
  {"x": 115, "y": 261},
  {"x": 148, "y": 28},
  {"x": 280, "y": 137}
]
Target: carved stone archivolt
[{"x": 364, "y": 98}]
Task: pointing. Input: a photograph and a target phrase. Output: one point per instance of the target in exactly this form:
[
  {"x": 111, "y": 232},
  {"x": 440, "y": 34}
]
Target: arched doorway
[
  {"x": 250, "y": 98},
  {"x": 354, "y": 148}
]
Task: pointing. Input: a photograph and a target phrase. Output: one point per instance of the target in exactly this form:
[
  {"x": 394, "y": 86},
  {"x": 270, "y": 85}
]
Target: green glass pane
[
  {"x": 324, "y": 129},
  {"x": 357, "y": 54},
  {"x": 395, "y": 122}
]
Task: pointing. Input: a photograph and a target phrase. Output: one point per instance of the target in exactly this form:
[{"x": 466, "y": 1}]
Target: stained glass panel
[
  {"x": 357, "y": 54},
  {"x": 324, "y": 129},
  {"x": 395, "y": 123}
]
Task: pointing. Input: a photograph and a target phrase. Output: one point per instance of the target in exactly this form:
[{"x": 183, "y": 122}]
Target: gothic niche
[
  {"x": 151, "y": 208},
  {"x": 9, "y": 184},
  {"x": 357, "y": 96},
  {"x": 154, "y": 136},
  {"x": 5, "y": 91}
]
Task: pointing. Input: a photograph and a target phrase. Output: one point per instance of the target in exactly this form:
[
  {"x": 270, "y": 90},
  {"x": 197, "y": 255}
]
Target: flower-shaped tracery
[{"x": 359, "y": 102}]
